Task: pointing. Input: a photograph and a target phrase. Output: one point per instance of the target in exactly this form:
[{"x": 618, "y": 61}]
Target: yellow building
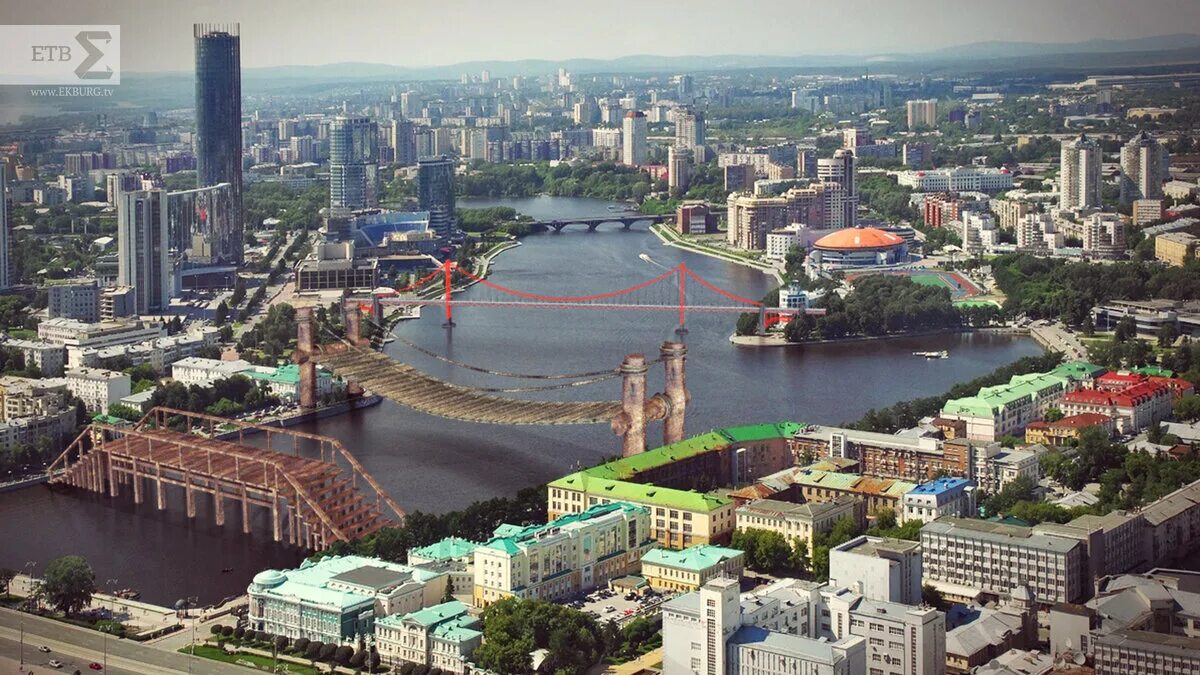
[
  {"x": 1174, "y": 248},
  {"x": 691, "y": 568},
  {"x": 800, "y": 521}
]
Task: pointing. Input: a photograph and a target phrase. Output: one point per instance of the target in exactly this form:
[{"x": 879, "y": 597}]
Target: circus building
[{"x": 858, "y": 247}]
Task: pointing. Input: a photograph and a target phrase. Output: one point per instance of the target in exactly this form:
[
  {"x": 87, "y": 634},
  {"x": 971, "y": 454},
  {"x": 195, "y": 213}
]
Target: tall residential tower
[
  {"x": 634, "y": 133},
  {"x": 1079, "y": 174},
  {"x": 435, "y": 193},
  {"x": 1143, "y": 167},
  {"x": 353, "y": 157}
]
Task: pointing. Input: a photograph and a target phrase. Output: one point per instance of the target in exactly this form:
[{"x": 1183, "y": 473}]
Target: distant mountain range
[{"x": 646, "y": 63}]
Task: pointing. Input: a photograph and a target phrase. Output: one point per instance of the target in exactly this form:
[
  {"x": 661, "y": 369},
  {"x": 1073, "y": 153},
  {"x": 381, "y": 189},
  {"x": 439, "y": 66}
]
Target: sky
[{"x": 156, "y": 35}]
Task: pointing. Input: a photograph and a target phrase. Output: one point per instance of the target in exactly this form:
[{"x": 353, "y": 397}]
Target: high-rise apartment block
[
  {"x": 1079, "y": 174},
  {"x": 1143, "y": 169},
  {"x": 634, "y": 134},
  {"x": 689, "y": 129},
  {"x": 219, "y": 121},
  {"x": 142, "y": 248},
  {"x": 921, "y": 113}
]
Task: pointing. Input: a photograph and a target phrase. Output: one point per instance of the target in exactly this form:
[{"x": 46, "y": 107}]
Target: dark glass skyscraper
[
  {"x": 435, "y": 193},
  {"x": 219, "y": 126}
]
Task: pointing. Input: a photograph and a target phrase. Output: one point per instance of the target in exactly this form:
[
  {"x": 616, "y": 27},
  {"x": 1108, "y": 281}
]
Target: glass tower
[
  {"x": 219, "y": 127},
  {"x": 435, "y": 193}
]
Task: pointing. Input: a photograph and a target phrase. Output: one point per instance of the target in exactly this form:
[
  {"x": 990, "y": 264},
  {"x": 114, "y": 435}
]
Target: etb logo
[{"x": 36, "y": 55}]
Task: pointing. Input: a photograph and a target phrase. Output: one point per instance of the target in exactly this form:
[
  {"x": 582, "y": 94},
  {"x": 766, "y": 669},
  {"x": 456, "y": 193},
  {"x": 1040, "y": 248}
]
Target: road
[{"x": 77, "y": 647}]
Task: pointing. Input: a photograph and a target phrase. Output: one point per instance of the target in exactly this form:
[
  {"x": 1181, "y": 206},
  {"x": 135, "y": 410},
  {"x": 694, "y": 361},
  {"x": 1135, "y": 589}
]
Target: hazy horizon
[{"x": 157, "y": 36}]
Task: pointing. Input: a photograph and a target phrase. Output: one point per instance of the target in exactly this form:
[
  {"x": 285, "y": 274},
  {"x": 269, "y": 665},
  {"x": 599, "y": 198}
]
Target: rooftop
[
  {"x": 509, "y": 536},
  {"x": 941, "y": 485},
  {"x": 872, "y": 546},
  {"x": 971, "y": 528},
  {"x": 446, "y": 549},
  {"x": 336, "y": 581},
  {"x": 786, "y": 644},
  {"x": 694, "y": 559}
]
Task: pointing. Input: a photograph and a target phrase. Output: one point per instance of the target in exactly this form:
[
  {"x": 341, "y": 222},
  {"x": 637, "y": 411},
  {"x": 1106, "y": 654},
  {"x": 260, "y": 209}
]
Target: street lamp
[
  {"x": 29, "y": 567},
  {"x": 112, "y": 608}
]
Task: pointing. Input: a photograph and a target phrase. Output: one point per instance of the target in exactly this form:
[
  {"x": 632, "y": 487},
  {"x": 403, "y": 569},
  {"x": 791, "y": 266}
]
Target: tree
[
  {"x": 239, "y": 632},
  {"x": 359, "y": 659},
  {"x": 281, "y": 642},
  {"x": 69, "y": 584},
  {"x": 1053, "y": 414},
  {"x": 342, "y": 654},
  {"x": 6, "y": 577},
  {"x": 216, "y": 629},
  {"x": 313, "y": 651},
  {"x": 885, "y": 519},
  {"x": 799, "y": 560},
  {"x": 1188, "y": 407},
  {"x": 227, "y": 631},
  {"x": 1167, "y": 334},
  {"x": 327, "y": 652},
  {"x": 300, "y": 646},
  {"x": 747, "y": 323},
  {"x": 766, "y": 550},
  {"x": 221, "y": 314},
  {"x": 933, "y": 597},
  {"x": 407, "y": 668}
]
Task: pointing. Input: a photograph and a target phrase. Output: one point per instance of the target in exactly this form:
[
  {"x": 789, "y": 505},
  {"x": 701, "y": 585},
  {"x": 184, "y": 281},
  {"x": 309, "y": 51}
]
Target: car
[
  {"x": 44, "y": 649},
  {"x": 609, "y": 609},
  {"x": 95, "y": 666},
  {"x": 54, "y": 663}
]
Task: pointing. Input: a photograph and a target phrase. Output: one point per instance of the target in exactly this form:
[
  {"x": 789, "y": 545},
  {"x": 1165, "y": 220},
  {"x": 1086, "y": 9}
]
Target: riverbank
[
  {"x": 342, "y": 408},
  {"x": 671, "y": 238},
  {"x": 777, "y": 339}
]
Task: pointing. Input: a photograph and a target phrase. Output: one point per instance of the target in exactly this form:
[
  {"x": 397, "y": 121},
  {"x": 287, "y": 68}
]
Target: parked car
[
  {"x": 95, "y": 666},
  {"x": 44, "y": 649}
]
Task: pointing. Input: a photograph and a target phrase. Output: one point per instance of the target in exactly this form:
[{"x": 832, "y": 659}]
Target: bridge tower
[
  {"x": 352, "y": 320},
  {"x": 304, "y": 357},
  {"x": 630, "y": 424},
  {"x": 673, "y": 355}
]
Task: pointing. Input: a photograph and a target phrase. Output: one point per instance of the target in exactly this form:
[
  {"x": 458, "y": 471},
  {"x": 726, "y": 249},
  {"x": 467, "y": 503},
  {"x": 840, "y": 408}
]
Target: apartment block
[{"x": 879, "y": 568}]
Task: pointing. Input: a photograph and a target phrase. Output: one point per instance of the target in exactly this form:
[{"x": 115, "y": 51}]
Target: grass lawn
[
  {"x": 260, "y": 662},
  {"x": 23, "y": 334},
  {"x": 928, "y": 280}
]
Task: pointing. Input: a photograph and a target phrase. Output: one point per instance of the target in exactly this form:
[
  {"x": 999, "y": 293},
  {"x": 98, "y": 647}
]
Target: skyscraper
[
  {"x": 685, "y": 87},
  {"x": 435, "y": 193},
  {"x": 634, "y": 133},
  {"x": 142, "y": 244},
  {"x": 689, "y": 129},
  {"x": 842, "y": 204},
  {"x": 219, "y": 125},
  {"x": 5, "y": 278},
  {"x": 353, "y": 154},
  {"x": 1143, "y": 166},
  {"x": 1079, "y": 174}
]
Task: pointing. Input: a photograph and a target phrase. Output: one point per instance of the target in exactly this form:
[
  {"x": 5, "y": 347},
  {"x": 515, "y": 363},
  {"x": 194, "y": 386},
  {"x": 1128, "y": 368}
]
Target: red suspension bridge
[{"x": 678, "y": 290}]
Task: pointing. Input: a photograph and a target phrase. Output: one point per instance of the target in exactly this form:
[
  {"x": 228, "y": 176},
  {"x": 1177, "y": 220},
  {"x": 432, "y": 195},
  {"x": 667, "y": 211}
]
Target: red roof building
[{"x": 1133, "y": 407}]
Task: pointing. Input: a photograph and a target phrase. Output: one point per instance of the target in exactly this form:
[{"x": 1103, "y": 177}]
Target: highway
[{"x": 77, "y": 647}]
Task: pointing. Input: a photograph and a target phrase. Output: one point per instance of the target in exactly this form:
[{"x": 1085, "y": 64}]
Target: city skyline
[{"x": 152, "y": 33}]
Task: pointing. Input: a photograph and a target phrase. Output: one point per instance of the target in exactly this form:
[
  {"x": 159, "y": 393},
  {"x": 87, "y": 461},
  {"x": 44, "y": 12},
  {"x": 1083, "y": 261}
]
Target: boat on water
[
  {"x": 127, "y": 594},
  {"x": 646, "y": 257},
  {"x": 943, "y": 354}
]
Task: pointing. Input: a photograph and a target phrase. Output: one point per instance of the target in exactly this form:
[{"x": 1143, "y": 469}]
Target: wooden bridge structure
[{"x": 313, "y": 501}]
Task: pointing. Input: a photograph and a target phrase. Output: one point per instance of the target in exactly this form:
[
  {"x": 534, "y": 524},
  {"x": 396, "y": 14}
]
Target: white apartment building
[
  {"x": 715, "y": 631},
  {"x": 569, "y": 554},
  {"x": 965, "y": 557},
  {"x": 1038, "y": 232},
  {"x": 158, "y": 352},
  {"x": 946, "y": 496},
  {"x": 878, "y": 568},
  {"x": 443, "y": 636},
  {"x": 1104, "y": 235},
  {"x": 49, "y": 358},
  {"x": 978, "y": 232},
  {"x": 780, "y": 241},
  {"x": 98, "y": 388},
  {"x": 957, "y": 179},
  {"x": 1079, "y": 174},
  {"x": 901, "y": 639},
  {"x": 203, "y": 372},
  {"x": 77, "y": 336},
  {"x": 633, "y": 134},
  {"x": 79, "y": 300}
]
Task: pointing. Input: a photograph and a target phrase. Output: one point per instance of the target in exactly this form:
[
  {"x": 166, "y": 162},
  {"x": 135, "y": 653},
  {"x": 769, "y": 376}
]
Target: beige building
[
  {"x": 800, "y": 521},
  {"x": 443, "y": 636},
  {"x": 1174, "y": 248},
  {"x": 751, "y": 218},
  {"x": 691, "y": 568},
  {"x": 570, "y": 554},
  {"x": 1146, "y": 211}
]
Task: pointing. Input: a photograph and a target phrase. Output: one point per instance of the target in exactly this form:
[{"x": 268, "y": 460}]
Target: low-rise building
[
  {"x": 442, "y": 636},
  {"x": 1174, "y": 524},
  {"x": 1149, "y": 316},
  {"x": 98, "y": 388},
  {"x": 1067, "y": 430},
  {"x": 947, "y": 496},
  {"x": 878, "y": 568},
  {"x": 203, "y": 372},
  {"x": 812, "y": 485},
  {"x": 907, "y": 458},
  {"x": 1005, "y": 409},
  {"x": 963, "y": 557},
  {"x": 78, "y": 299},
  {"x": 687, "y": 570},
  {"x": 1132, "y": 408},
  {"x": 799, "y": 521},
  {"x": 569, "y": 554},
  {"x": 338, "y": 598},
  {"x": 76, "y": 336},
  {"x": 981, "y": 634},
  {"x": 1175, "y": 248}
]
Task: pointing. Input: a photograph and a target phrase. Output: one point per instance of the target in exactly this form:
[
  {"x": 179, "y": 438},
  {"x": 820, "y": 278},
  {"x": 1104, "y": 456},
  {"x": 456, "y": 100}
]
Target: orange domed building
[{"x": 859, "y": 247}]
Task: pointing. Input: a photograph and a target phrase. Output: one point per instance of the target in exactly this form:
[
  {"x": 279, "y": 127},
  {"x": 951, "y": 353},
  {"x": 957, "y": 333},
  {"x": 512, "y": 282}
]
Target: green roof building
[
  {"x": 1006, "y": 409},
  {"x": 691, "y": 568},
  {"x": 443, "y": 636}
]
